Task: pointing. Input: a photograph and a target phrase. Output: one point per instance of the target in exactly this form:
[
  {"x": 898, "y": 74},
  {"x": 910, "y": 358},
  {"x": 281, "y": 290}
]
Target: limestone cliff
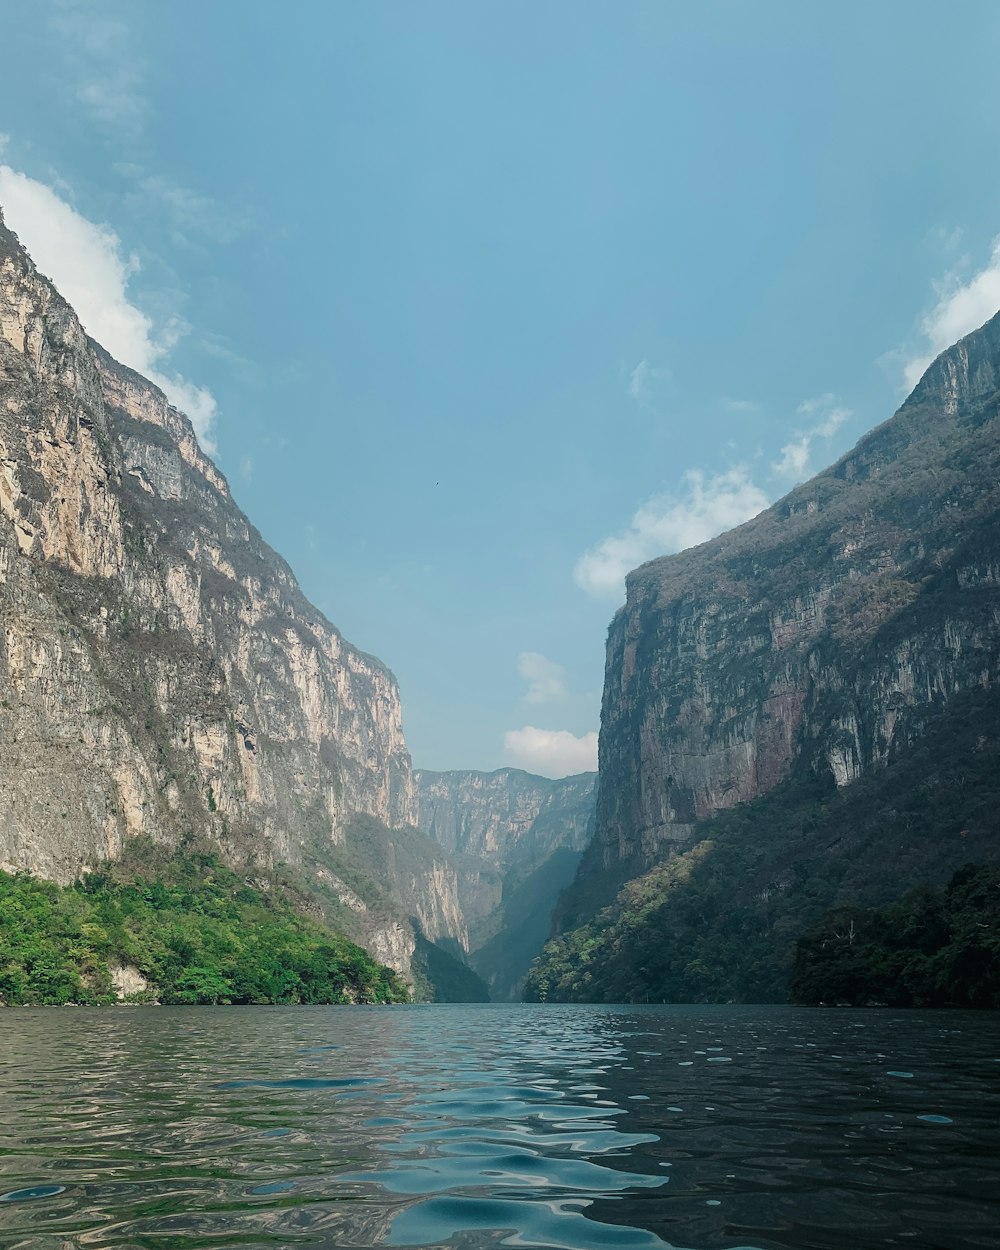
[
  {"x": 515, "y": 841},
  {"x": 817, "y": 638},
  {"x": 161, "y": 672}
]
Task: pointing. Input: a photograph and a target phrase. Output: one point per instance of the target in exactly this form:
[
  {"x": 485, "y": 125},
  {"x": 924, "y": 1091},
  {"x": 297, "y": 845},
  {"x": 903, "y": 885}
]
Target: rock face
[
  {"x": 515, "y": 840},
  {"x": 505, "y": 817},
  {"x": 161, "y": 672},
  {"x": 814, "y": 638}
]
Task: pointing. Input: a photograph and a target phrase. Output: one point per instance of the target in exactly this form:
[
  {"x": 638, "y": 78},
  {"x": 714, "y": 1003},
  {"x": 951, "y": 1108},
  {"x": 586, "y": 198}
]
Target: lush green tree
[
  {"x": 197, "y": 932},
  {"x": 935, "y": 948}
]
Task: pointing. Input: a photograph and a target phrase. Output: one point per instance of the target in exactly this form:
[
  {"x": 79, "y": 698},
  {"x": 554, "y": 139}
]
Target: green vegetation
[
  {"x": 625, "y": 950},
  {"x": 935, "y": 948},
  {"x": 196, "y": 932},
  {"x": 719, "y": 921}
]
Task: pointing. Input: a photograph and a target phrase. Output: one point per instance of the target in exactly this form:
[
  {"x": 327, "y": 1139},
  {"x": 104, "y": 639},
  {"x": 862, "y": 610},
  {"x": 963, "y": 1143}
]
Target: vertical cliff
[
  {"x": 161, "y": 671},
  {"x": 816, "y": 639}
]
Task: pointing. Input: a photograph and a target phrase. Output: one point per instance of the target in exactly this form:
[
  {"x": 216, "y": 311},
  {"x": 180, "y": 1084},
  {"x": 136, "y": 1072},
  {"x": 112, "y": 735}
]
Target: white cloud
[
  {"x": 709, "y": 505},
  {"x": 826, "y": 416},
  {"x": 962, "y": 306},
  {"x": 551, "y": 752},
  {"x": 794, "y": 458},
  {"x": 546, "y": 679},
  {"x": 87, "y": 264}
]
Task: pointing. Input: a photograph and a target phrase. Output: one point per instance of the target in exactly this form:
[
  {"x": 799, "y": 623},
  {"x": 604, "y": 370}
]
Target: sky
[{"x": 480, "y": 305}]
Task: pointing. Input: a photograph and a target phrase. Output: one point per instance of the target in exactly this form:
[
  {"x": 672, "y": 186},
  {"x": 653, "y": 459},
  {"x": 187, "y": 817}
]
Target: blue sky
[{"x": 481, "y": 304}]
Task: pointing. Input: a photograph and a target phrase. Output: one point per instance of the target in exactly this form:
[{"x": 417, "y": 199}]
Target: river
[{"x": 480, "y": 1126}]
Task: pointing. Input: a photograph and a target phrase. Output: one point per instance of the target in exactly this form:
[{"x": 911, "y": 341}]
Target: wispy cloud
[
  {"x": 963, "y": 304},
  {"x": 106, "y": 71},
  {"x": 114, "y": 101},
  {"x": 643, "y": 381},
  {"x": 825, "y": 416},
  {"x": 827, "y": 412},
  {"x": 551, "y": 752},
  {"x": 87, "y": 263},
  {"x": 945, "y": 238},
  {"x": 707, "y": 505},
  {"x": 546, "y": 679},
  {"x": 186, "y": 214}
]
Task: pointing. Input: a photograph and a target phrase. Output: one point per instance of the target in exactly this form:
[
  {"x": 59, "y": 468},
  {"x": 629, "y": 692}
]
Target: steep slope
[
  {"x": 161, "y": 671},
  {"x": 515, "y": 840},
  {"x": 814, "y": 637},
  {"x": 174, "y": 928},
  {"x": 718, "y": 920},
  {"x": 814, "y": 645}
]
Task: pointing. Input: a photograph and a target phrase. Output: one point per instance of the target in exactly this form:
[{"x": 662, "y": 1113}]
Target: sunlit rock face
[
  {"x": 819, "y": 635},
  {"x": 161, "y": 672}
]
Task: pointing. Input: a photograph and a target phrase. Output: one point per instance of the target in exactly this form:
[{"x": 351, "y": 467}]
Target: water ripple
[{"x": 467, "y": 1128}]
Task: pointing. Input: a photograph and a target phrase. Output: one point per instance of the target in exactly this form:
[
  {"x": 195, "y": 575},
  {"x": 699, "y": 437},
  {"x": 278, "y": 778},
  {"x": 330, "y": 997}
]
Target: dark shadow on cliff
[{"x": 719, "y": 920}]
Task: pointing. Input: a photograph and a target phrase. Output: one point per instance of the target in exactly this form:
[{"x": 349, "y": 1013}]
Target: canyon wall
[
  {"x": 515, "y": 840},
  {"x": 161, "y": 672},
  {"x": 815, "y": 639},
  {"x": 505, "y": 817}
]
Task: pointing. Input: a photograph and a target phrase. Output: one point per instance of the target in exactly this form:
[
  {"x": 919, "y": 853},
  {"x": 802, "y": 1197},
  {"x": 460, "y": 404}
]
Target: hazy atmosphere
[{"x": 480, "y": 306}]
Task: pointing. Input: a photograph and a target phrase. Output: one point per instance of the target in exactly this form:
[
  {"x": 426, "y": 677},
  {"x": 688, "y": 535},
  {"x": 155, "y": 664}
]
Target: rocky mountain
[
  {"x": 515, "y": 840},
  {"x": 821, "y": 641},
  {"x": 161, "y": 671}
]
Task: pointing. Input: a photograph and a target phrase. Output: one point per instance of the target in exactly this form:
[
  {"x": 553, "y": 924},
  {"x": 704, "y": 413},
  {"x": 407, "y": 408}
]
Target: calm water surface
[{"x": 482, "y": 1126}]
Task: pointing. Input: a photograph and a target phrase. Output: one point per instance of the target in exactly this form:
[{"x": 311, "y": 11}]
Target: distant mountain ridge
[{"x": 504, "y": 816}]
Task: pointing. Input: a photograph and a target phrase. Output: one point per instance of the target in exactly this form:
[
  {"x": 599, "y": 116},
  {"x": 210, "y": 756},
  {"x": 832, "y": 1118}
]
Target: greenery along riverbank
[
  {"x": 197, "y": 934},
  {"x": 935, "y": 948}
]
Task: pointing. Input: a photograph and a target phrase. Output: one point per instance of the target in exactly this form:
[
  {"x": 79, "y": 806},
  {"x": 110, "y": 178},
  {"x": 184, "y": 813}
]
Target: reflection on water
[{"x": 469, "y": 1127}]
